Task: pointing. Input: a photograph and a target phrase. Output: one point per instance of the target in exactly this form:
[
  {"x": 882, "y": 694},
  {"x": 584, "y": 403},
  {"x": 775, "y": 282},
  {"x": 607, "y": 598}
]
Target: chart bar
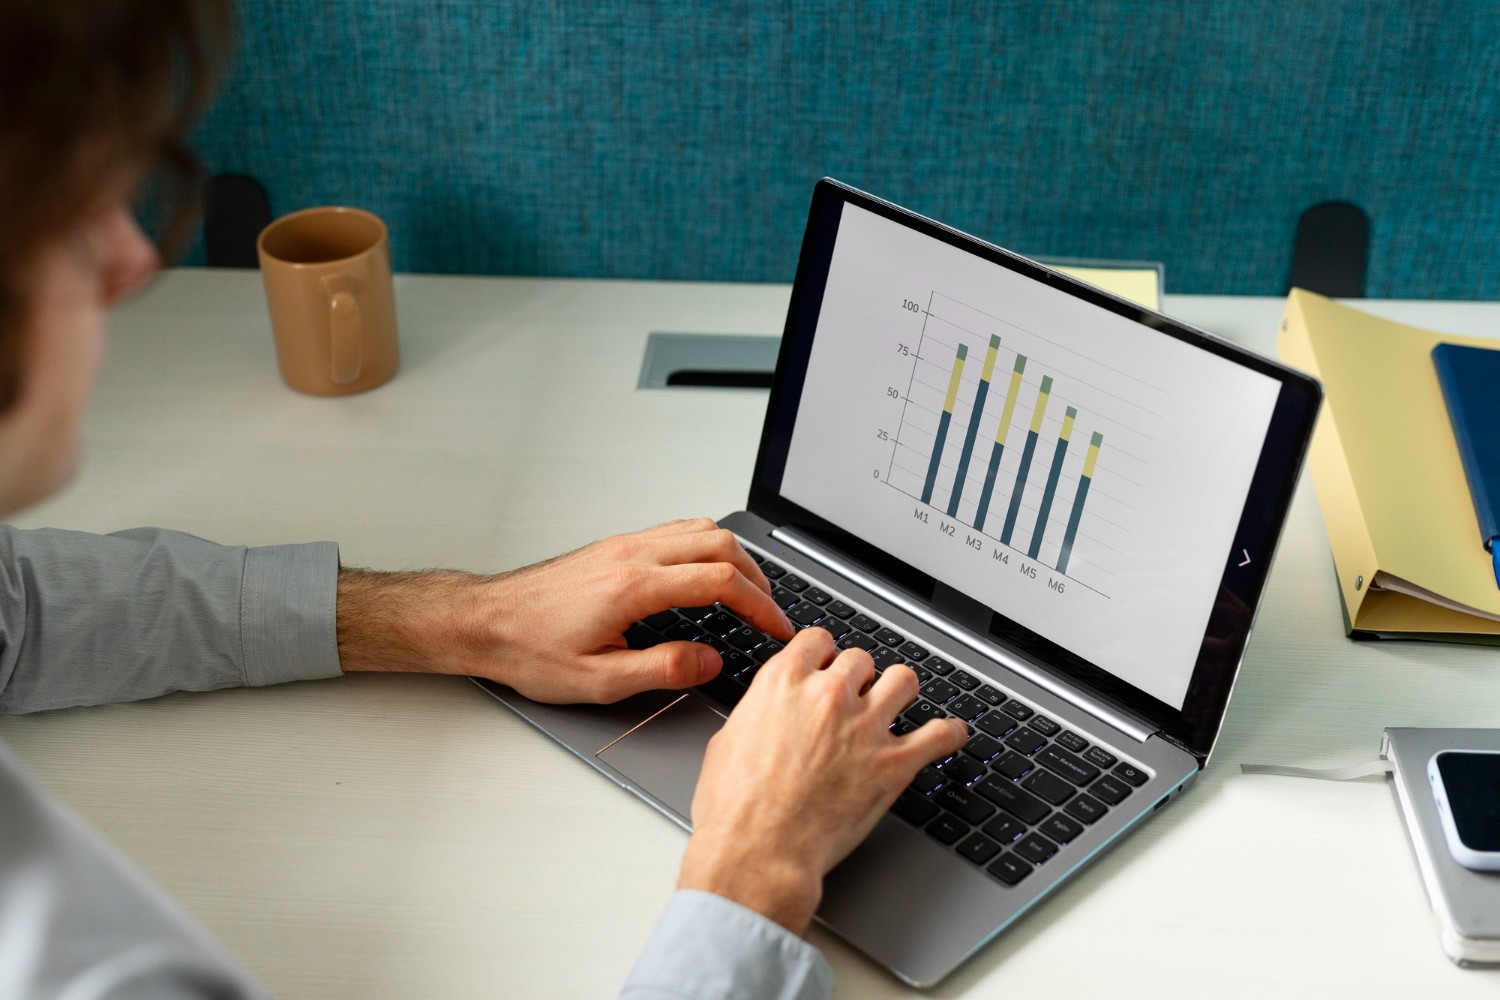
[
  {"x": 1078, "y": 498},
  {"x": 1052, "y": 475},
  {"x": 943, "y": 422},
  {"x": 1026, "y": 455},
  {"x": 974, "y": 417},
  {"x": 1000, "y": 434}
]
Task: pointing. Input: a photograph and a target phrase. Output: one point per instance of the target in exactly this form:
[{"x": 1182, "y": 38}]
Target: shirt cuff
[
  {"x": 708, "y": 948},
  {"x": 287, "y": 600}
]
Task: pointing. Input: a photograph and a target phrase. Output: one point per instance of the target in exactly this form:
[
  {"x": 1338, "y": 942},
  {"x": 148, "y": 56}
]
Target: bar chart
[{"x": 1014, "y": 463}]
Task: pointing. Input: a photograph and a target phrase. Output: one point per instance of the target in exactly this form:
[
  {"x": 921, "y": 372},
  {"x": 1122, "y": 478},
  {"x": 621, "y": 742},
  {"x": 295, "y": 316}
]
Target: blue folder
[{"x": 1470, "y": 377}]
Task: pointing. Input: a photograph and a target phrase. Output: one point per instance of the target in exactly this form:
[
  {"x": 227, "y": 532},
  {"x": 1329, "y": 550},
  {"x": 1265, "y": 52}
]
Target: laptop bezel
[{"x": 1196, "y": 724}]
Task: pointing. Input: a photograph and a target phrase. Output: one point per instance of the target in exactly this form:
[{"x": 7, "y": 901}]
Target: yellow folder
[{"x": 1388, "y": 476}]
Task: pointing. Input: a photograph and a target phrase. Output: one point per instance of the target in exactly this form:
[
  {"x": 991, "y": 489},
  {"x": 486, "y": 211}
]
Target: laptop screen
[{"x": 1063, "y": 459}]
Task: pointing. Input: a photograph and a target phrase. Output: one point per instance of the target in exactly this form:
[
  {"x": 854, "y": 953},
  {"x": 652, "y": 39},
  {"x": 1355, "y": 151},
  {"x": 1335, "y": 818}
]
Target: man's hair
[{"x": 94, "y": 96}]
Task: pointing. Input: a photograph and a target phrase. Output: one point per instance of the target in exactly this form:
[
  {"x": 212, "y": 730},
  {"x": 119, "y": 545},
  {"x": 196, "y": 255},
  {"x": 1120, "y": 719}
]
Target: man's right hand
[{"x": 800, "y": 774}]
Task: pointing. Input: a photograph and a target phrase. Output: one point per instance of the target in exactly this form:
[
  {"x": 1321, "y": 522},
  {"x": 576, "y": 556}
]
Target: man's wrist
[
  {"x": 411, "y": 621},
  {"x": 777, "y": 888}
]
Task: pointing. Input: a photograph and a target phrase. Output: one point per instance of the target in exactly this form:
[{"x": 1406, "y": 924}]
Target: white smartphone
[{"x": 1466, "y": 786}]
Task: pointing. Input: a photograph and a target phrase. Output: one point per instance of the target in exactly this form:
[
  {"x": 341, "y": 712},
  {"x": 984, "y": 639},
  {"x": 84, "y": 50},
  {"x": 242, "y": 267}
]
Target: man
[{"x": 93, "y": 95}]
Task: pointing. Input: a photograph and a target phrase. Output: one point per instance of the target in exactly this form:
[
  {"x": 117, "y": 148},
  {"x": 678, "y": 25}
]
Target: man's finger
[
  {"x": 708, "y": 546},
  {"x": 854, "y": 668},
  {"x": 810, "y": 650},
  {"x": 695, "y": 584},
  {"x": 670, "y": 666},
  {"x": 893, "y": 692},
  {"x": 935, "y": 738}
]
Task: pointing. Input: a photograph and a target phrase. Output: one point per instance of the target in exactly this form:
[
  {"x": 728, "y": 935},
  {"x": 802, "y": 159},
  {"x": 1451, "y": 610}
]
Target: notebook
[
  {"x": 1059, "y": 507},
  {"x": 1469, "y": 377}
]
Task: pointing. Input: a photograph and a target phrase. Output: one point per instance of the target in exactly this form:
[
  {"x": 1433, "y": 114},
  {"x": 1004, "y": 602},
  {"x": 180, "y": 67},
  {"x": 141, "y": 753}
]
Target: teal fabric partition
[{"x": 672, "y": 139}]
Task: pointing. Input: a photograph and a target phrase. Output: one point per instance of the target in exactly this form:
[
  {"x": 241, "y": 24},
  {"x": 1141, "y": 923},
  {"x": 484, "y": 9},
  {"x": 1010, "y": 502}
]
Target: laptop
[{"x": 1057, "y": 506}]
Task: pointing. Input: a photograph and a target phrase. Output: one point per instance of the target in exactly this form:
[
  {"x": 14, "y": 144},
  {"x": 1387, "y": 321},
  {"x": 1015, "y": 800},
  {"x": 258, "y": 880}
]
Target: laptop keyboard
[{"x": 1020, "y": 791}]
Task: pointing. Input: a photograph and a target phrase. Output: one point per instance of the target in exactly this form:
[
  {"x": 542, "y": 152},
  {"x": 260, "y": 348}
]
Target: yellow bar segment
[
  {"x": 958, "y": 370},
  {"x": 1067, "y": 431},
  {"x": 1010, "y": 399},
  {"x": 989, "y": 359},
  {"x": 1041, "y": 404},
  {"x": 1093, "y": 456}
]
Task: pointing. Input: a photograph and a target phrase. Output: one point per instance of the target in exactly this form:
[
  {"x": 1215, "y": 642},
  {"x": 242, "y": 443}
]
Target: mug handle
[{"x": 345, "y": 361}]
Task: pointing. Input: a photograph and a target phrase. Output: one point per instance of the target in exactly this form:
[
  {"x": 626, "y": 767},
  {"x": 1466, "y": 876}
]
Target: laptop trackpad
[{"x": 662, "y": 756}]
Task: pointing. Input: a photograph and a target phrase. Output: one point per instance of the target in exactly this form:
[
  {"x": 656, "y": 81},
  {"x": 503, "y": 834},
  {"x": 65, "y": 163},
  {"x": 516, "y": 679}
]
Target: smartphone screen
[{"x": 1471, "y": 782}]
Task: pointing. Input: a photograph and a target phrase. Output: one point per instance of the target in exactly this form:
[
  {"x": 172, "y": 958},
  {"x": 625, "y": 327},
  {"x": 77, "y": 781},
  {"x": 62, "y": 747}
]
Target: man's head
[{"x": 96, "y": 96}]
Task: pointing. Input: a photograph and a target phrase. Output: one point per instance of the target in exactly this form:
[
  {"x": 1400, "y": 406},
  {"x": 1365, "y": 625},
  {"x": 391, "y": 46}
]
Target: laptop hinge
[{"x": 1131, "y": 725}]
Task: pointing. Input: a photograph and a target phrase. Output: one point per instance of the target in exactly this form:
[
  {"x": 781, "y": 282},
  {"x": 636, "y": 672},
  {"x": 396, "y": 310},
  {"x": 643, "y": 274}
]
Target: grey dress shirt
[{"x": 90, "y": 620}]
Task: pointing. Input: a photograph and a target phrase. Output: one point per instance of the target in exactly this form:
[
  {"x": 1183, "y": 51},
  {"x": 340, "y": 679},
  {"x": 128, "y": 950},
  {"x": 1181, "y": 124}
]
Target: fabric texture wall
[{"x": 678, "y": 139}]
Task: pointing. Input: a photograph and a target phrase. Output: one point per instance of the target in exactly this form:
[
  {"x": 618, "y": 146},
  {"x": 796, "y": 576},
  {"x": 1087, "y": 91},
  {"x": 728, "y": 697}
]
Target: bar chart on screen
[{"x": 1022, "y": 444}]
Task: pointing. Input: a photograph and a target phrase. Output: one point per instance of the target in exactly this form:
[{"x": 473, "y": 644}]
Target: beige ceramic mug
[{"x": 328, "y": 284}]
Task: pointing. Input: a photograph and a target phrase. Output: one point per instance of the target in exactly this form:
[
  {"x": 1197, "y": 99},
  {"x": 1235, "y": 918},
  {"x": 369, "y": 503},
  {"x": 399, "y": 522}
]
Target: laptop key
[
  {"x": 858, "y": 639},
  {"x": 914, "y": 808},
  {"x": 833, "y": 626},
  {"x": 928, "y": 780},
  {"x": 1025, "y": 741},
  {"x": 785, "y": 598},
  {"x": 1035, "y": 848},
  {"x": 736, "y": 661},
  {"x": 983, "y": 748},
  {"x": 1086, "y": 808},
  {"x": 819, "y": 597},
  {"x": 1017, "y": 801},
  {"x": 864, "y": 623},
  {"x": 924, "y": 710},
  {"x": 884, "y": 656},
  {"x": 913, "y": 652},
  {"x": 1060, "y": 828},
  {"x": 939, "y": 666},
  {"x": 638, "y": 636},
  {"x": 1049, "y": 786},
  {"x": 1072, "y": 741},
  {"x": 1017, "y": 711},
  {"x": 978, "y": 848},
  {"x": 964, "y": 680},
  {"x": 902, "y": 726},
  {"x": 747, "y": 674},
  {"x": 1109, "y": 789},
  {"x": 804, "y": 613},
  {"x": 720, "y": 623},
  {"x": 723, "y": 688},
  {"x": 1004, "y": 828},
  {"x": 961, "y": 769},
  {"x": 1076, "y": 770},
  {"x": 745, "y": 637},
  {"x": 840, "y": 610},
  {"x": 966, "y": 706},
  {"x": 946, "y": 829},
  {"x": 1014, "y": 766},
  {"x": 964, "y": 804},
  {"x": 686, "y": 631},
  {"x": 989, "y": 695},
  {"x": 995, "y": 724},
  {"x": 661, "y": 619},
  {"x": 1009, "y": 869},
  {"x": 794, "y": 582},
  {"x": 772, "y": 571},
  {"x": 1130, "y": 773},
  {"x": 1045, "y": 726},
  {"x": 697, "y": 614},
  {"x": 766, "y": 650},
  {"x": 1100, "y": 756},
  {"x": 890, "y": 637},
  {"x": 938, "y": 691}
]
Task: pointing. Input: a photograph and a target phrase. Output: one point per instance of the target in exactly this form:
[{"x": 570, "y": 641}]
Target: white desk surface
[{"x": 404, "y": 836}]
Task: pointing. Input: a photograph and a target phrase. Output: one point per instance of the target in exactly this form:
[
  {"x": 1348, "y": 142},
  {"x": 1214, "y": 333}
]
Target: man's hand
[
  {"x": 555, "y": 631},
  {"x": 800, "y": 773}
]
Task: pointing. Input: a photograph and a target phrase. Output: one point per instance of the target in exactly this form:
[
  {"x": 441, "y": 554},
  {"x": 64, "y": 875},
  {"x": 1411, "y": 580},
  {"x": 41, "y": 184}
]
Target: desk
[{"x": 404, "y": 836}]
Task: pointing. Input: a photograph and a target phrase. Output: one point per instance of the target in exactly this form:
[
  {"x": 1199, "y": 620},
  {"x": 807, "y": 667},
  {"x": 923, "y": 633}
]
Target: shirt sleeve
[
  {"x": 97, "y": 619},
  {"x": 705, "y": 947},
  {"x": 78, "y": 920}
]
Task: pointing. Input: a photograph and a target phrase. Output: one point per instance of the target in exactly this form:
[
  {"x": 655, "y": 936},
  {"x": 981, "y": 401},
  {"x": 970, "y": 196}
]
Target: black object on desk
[
  {"x": 236, "y": 208},
  {"x": 1332, "y": 250}
]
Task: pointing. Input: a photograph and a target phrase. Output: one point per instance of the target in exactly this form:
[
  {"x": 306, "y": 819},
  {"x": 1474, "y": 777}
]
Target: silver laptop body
[{"x": 1128, "y": 477}]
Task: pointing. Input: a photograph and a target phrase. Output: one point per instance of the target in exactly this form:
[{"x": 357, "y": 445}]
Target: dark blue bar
[
  {"x": 1072, "y": 532},
  {"x": 937, "y": 455},
  {"x": 1041, "y": 518},
  {"x": 1015, "y": 498},
  {"x": 989, "y": 486},
  {"x": 963, "y": 459}
]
